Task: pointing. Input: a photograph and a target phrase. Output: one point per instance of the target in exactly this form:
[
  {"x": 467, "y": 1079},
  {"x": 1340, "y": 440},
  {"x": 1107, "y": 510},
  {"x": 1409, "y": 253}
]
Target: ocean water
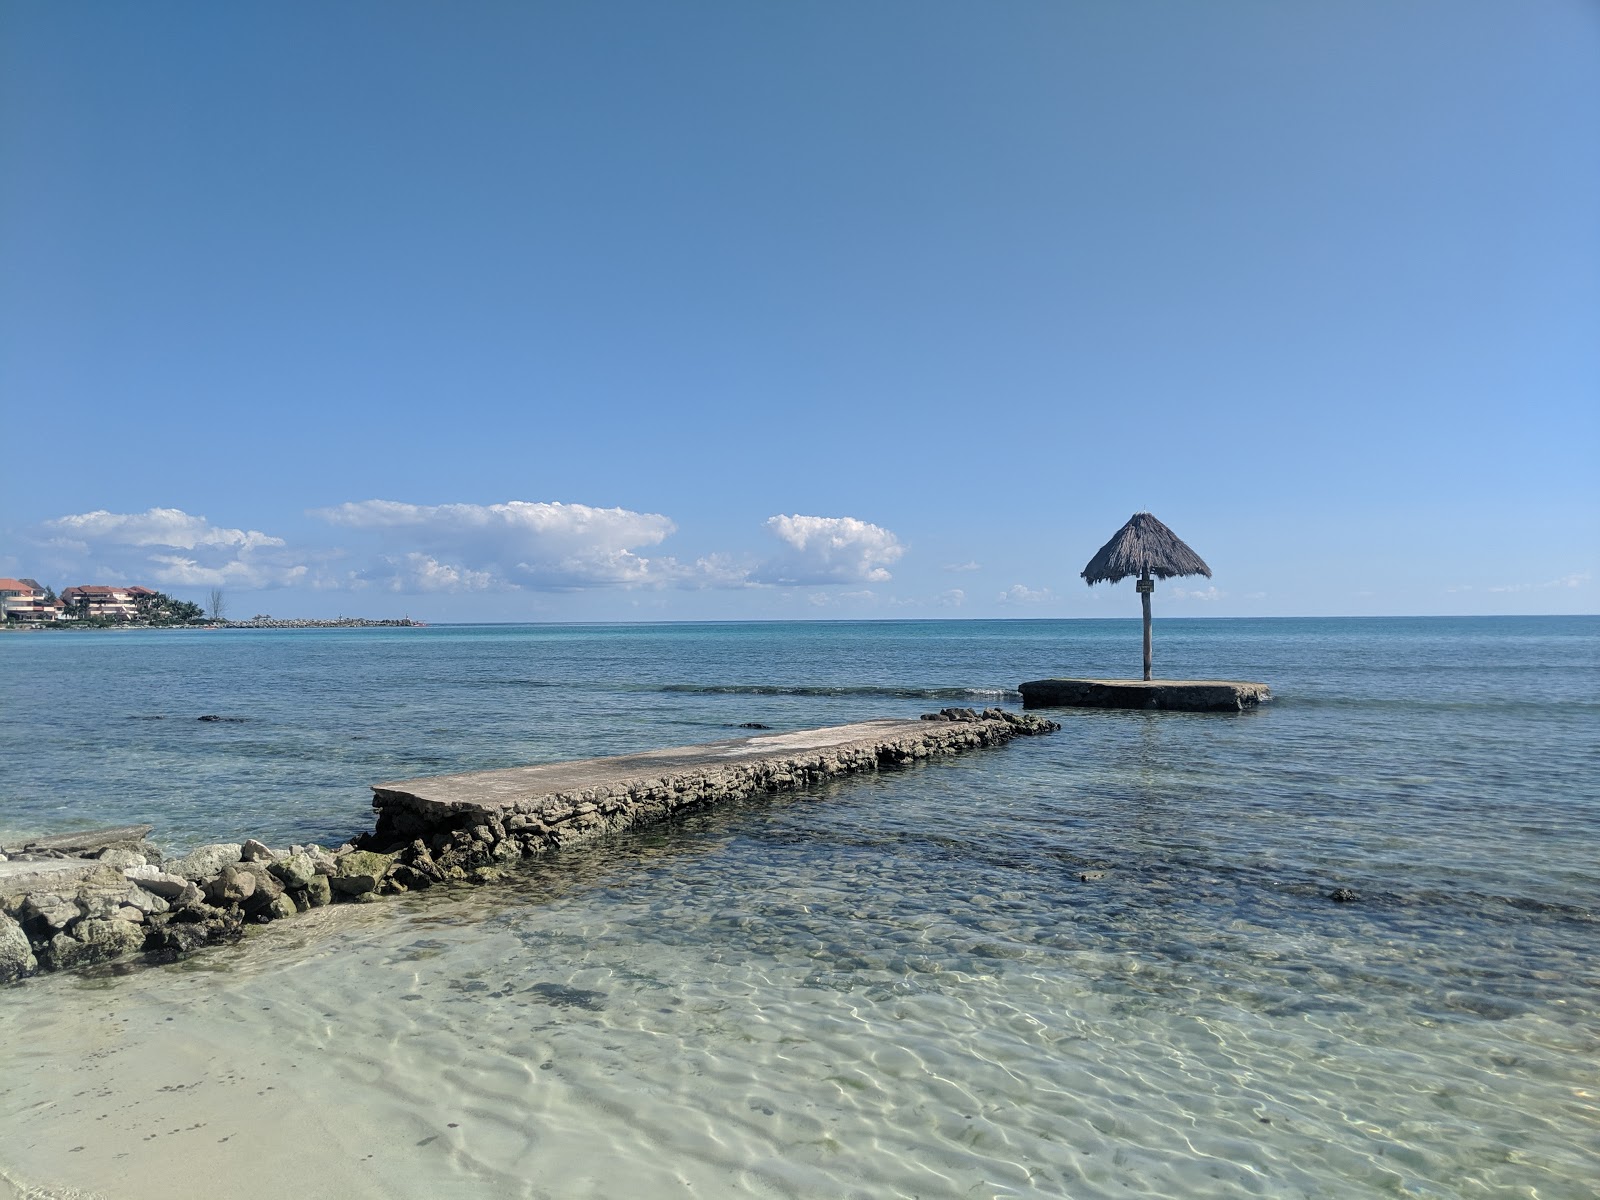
[{"x": 1103, "y": 962}]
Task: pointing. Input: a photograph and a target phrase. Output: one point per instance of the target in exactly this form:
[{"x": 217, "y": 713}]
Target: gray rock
[
  {"x": 281, "y": 906},
  {"x": 146, "y": 902},
  {"x": 120, "y": 857},
  {"x": 62, "y": 951},
  {"x": 296, "y": 869},
  {"x": 47, "y": 913},
  {"x": 176, "y": 941},
  {"x": 254, "y": 851},
  {"x": 99, "y": 902},
  {"x": 92, "y": 941},
  {"x": 133, "y": 916},
  {"x": 109, "y": 939},
  {"x": 361, "y": 871},
  {"x": 232, "y": 886},
  {"x": 319, "y": 891},
  {"x": 16, "y": 954},
  {"x": 268, "y": 887},
  {"x": 206, "y": 862},
  {"x": 159, "y": 883}
]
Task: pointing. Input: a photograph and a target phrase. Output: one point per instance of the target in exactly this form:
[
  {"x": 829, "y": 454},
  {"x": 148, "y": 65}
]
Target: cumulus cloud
[
  {"x": 156, "y": 527},
  {"x": 122, "y": 547},
  {"x": 1018, "y": 594},
  {"x": 822, "y": 550},
  {"x": 422, "y": 573},
  {"x": 520, "y": 543},
  {"x": 954, "y": 598},
  {"x": 173, "y": 570}
]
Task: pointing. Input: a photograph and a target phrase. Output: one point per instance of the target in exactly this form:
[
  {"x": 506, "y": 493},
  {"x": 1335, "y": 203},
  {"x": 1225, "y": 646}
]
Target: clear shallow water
[{"x": 894, "y": 986}]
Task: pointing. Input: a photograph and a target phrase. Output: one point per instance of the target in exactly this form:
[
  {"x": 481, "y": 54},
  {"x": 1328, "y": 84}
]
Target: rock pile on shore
[
  {"x": 67, "y": 905},
  {"x": 77, "y": 900}
]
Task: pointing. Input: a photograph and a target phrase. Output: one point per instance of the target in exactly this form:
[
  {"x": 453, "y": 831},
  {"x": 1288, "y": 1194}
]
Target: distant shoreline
[
  {"x": 323, "y": 623},
  {"x": 253, "y": 623}
]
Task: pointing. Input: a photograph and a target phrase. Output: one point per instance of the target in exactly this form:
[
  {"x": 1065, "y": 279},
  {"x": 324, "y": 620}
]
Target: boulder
[
  {"x": 92, "y": 941},
  {"x": 360, "y": 871},
  {"x": 156, "y": 881},
  {"x": 295, "y": 870},
  {"x": 121, "y": 857},
  {"x": 206, "y": 862},
  {"x": 410, "y": 878},
  {"x": 280, "y": 906},
  {"x": 268, "y": 886},
  {"x": 109, "y": 939},
  {"x": 100, "y": 900},
  {"x": 47, "y": 913},
  {"x": 319, "y": 891},
  {"x": 232, "y": 886},
  {"x": 16, "y": 954},
  {"x": 175, "y": 940},
  {"x": 254, "y": 851},
  {"x": 148, "y": 903}
]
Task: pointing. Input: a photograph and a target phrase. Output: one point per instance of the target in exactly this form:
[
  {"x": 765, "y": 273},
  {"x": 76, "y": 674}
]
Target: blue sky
[{"x": 621, "y": 311}]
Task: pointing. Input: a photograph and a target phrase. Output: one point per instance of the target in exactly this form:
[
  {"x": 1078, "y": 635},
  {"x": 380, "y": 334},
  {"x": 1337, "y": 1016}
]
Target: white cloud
[
  {"x": 550, "y": 546},
  {"x": 156, "y": 527},
  {"x": 1578, "y": 579},
  {"x": 423, "y": 573},
  {"x": 1018, "y": 594},
  {"x": 954, "y": 598},
  {"x": 966, "y": 566},
  {"x": 1204, "y": 594},
  {"x": 174, "y": 570},
  {"x": 120, "y": 546},
  {"x": 829, "y": 550}
]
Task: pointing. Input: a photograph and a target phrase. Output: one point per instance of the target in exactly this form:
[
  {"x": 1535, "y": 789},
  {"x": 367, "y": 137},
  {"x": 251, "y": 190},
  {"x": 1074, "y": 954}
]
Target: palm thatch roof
[{"x": 1144, "y": 546}]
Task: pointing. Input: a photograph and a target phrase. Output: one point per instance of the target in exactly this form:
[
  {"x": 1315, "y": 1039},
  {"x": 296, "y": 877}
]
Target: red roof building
[{"x": 97, "y": 600}]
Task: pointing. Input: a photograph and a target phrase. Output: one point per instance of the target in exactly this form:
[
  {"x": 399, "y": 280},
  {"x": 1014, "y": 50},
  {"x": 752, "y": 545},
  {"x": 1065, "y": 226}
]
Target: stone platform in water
[
  {"x": 1184, "y": 695},
  {"x": 555, "y": 803}
]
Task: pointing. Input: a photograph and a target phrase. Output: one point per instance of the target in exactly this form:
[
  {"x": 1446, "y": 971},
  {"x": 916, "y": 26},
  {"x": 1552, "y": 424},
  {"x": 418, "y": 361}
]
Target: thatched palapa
[{"x": 1144, "y": 547}]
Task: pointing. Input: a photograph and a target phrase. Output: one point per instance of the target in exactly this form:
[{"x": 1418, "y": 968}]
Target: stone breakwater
[
  {"x": 77, "y": 900},
  {"x": 328, "y": 623}
]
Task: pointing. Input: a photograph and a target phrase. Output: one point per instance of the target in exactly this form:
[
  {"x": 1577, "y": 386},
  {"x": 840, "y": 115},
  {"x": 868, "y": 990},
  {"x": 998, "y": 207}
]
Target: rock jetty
[
  {"x": 331, "y": 623},
  {"x": 79, "y": 899}
]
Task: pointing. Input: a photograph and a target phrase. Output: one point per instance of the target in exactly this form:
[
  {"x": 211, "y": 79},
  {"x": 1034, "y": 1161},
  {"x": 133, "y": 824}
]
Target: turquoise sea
[{"x": 1103, "y": 962}]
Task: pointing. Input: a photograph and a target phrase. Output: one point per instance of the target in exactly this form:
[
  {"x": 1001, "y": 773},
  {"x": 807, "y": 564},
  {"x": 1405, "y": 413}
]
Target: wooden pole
[{"x": 1144, "y": 597}]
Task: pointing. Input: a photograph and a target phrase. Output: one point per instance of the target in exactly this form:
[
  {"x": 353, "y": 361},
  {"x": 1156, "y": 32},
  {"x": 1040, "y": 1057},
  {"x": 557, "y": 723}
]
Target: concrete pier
[
  {"x": 1183, "y": 695},
  {"x": 554, "y": 803},
  {"x": 84, "y": 898}
]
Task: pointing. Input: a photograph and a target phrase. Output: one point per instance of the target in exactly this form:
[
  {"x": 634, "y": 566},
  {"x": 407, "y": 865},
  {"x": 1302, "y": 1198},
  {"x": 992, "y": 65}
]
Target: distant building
[
  {"x": 23, "y": 600},
  {"x": 111, "y": 603}
]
